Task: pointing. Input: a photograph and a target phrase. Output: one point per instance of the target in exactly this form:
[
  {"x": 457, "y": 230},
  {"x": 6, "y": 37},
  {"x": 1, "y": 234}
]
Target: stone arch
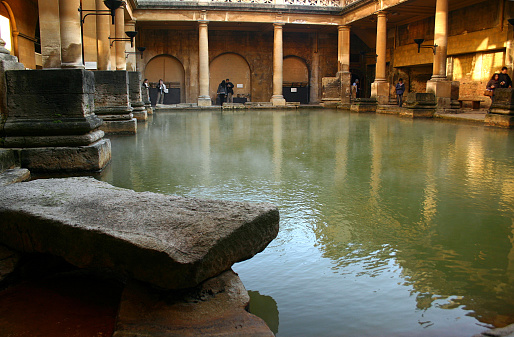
[
  {"x": 234, "y": 67},
  {"x": 295, "y": 86},
  {"x": 171, "y": 71}
]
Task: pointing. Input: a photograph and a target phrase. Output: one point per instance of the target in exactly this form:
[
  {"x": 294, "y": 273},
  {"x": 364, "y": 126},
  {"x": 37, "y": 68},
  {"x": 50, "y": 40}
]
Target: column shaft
[
  {"x": 343, "y": 48},
  {"x": 130, "y": 58},
  {"x": 203, "y": 58},
  {"x": 381, "y": 47},
  {"x": 50, "y": 33},
  {"x": 71, "y": 44},
  {"x": 120, "y": 34},
  {"x": 278, "y": 65},
  {"x": 440, "y": 39},
  {"x": 103, "y": 30}
]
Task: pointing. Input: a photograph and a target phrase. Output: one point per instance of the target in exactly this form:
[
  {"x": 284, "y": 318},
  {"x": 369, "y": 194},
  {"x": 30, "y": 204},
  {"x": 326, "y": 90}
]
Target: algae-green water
[{"x": 389, "y": 226}]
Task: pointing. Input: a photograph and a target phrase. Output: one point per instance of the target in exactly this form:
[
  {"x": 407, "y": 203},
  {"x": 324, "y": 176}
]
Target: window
[{"x": 5, "y": 31}]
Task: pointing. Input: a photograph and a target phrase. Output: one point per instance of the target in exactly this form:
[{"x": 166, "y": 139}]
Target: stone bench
[{"x": 475, "y": 103}]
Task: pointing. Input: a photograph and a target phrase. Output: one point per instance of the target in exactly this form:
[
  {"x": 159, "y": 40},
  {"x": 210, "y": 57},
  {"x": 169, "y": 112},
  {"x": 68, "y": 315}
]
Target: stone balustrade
[{"x": 309, "y": 3}]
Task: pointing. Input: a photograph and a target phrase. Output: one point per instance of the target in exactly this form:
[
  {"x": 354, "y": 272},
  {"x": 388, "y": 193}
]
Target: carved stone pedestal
[
  {"x": 501, "y": 112},
  {"x": 419, "y": 105},
  {"x": 51, "y": 121},
  {"x": 364, "y": 105},
  {"x": 442, "y": 90},
  {"x": 112, "y": 102},
  {"x": 380, "y": 92}
]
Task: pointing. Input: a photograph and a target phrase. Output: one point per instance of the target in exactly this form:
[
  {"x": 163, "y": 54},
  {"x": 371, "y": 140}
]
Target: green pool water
[{"x": 389, "y": 226}]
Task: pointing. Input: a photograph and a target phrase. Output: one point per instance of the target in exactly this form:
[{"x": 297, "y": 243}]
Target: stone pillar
[
  {"x": 112, "y": 102},
  {"x": 136, "y": 102},
  {"x": 120, "y": 34},
  {"x": 71, "y": 44},
  {"x": 278, "y": 64},
  {"x": 439, "y": 84},
  {"x": 501, "y": 112},
  {"x": 103, "y": 30},
  {"x": 343, "y": 67},
  {"x": 54, "y": 127},
  {"x": 112, "y": 50},
  {"x": 203, "y": 70},
  {"x": 130, "y": 58},
  {"x": 380, "y": 87},
  {"x": 50, "y": 33},
  {"x": 7, "y": 62}
]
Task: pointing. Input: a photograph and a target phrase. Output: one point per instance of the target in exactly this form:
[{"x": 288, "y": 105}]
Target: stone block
[
  {"x": 134, "y": 86},
  {"x": 503, "y": 103},
  {"x": 8, "y": 159},
  {"x": 499, "y": 120},
  {"x": 89, "y": 158},
  {"x": 214, "y": 308},
  {"x": 53, "y": 141},
  {"x": 128, "y": 126},
  {"x": 179, "y": 244},
  {"x": 364, "y": 105},
  {"x": 331, "y": 89},
  {"x": 419, "y": 105},
  {"x": 380, "y": 92},
  {"x": 52, "y": 95},
  {"x": 111, "y": 89},
  {"x": 12, "y": 176},
  {"x": 442, "y": 91}
]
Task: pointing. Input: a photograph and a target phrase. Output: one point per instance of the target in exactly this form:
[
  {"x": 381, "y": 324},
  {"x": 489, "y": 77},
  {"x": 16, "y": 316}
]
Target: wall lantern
[
  {"x": 140, "y": 51},
  {"x": 420, "y": 41},
  {"x": 131, "y": 35}
]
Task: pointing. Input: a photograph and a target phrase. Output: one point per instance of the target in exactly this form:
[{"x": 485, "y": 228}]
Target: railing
[{"x": 307, "y": 3}]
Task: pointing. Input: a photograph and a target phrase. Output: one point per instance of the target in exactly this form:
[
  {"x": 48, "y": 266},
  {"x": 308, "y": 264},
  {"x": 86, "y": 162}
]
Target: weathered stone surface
[
  {"x": 120, "y": 126},
  {"x": 364, "y": 105},
  {"x": 15, "y": 175},
  {"x": 499, "y": 120},
  {"x": 111, "y": 89},
  {"x": 169, "y": 241},
  {"x": 503, "y": 103},
  {"x": 419, "y": 105},
  {"x": 214, "y": 308},
  {"x": 8, "y": 262},
  {"x": 62, "y": 140},
  {"x": 8, "y": 159},
  {"x": 134, "y": 86},
  {"x": 89, "y": 158},
  {"x": 507, "y": 331}
]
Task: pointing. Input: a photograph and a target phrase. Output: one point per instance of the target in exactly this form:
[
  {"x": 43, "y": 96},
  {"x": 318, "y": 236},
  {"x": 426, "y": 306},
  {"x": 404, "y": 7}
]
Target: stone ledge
[
  {"x": 169, "y": 241},
  {"x": 15, "y": 175}
]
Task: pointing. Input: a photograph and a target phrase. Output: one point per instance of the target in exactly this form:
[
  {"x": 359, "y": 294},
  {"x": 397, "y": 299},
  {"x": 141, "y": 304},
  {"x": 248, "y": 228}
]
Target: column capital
[
  {"x": 344, "y": 28},
  {"x": 382, "y": 14},
  {"x": 203, "y": 22},
  {"x": 278, "y": 24}
]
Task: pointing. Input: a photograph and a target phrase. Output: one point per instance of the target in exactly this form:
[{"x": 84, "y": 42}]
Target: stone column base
[
  {"x": 502, "y": 121},
  {"x": 330, "y": 102},
  {"x": 139, "y": 111},
  {"x": 278, "y": 100},
  {"x": 149, "y": 109},
  {"x": 89, "y": 158},
  {"x": 380, "y": 91},
  {"x": 128, "y": 126},
  {"x": 364, "y": 105},
  {"x": 419, "y": 105},
  {"x": 442, "y": 89},
  {"x": 204, "y": 101}
]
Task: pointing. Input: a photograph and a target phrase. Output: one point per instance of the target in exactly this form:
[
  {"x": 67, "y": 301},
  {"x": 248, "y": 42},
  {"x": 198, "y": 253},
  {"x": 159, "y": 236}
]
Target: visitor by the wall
[
  {"x": 222, "y": 91},
  {"x": 230, "y": 91},
  {"x": 493, "y": 84},
  {"x": 400, "y": 89},
  {"x": 504, "y": 80},
  {"x": 355, "y": 88},
  {"x": 161, "y": 91}
]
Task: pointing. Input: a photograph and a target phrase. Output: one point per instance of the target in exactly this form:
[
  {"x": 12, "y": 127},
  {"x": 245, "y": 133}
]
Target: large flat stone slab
[{"x": 170, "y": 241}]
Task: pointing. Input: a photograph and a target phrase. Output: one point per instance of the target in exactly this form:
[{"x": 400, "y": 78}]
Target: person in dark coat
[
  {"x": 400, "y": 89},
  {"x": 504, "y": 79},
  {"x": 222, "y": 91},
  {"x": 493, "y": 83},
  {"x": 230, "y": 91}
]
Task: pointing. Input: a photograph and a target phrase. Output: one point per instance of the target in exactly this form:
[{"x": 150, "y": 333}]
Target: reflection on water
[
  {"x": 389, "y": 226},
  {"x": 265, "y": 307}
]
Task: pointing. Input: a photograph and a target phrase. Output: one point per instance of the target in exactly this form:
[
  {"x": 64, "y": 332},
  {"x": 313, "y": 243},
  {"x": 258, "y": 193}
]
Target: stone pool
[{"x": 389, "y": 226}]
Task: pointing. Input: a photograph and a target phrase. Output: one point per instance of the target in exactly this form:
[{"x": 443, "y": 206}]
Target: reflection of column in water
[
  {"x": 376, "y": 159},
  {"x": 430, "y": 191},
  {"x": 205, "y": 140},
  {"x": 510, "y": 266},
  {"x": 341, "y": 155},
  {"x": 264, "y": 307},
  {"x": 277, "y": 145}
]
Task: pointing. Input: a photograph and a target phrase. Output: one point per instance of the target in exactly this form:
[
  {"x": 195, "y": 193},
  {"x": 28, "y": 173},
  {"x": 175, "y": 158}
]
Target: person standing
[
  {"x": 400, "y": 89},
  {"x": 230, "y": 91},
  {"x": 162, "y": 90},
  {"x": 222, "y": 91},
  {"x": 504, "y": 79},
  {"x": 355, "y": 88}
]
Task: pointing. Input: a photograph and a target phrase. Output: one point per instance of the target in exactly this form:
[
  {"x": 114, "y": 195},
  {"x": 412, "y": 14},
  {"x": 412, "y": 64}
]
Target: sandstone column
[
  {"x": 203, "y": 36},
  {"x": 343, "y": 66},
  {"x": 50, "y": 33},
  {"x": 439, "y": 84},
  {"x": 71, "y": 45},
  {"x": 130, "y": 58},
  {"x": 278, "y": 65},
  {"x": 380, "y": 87},
  {"x": 120, "y": 34},
  {"x": 103, "y": 30}
]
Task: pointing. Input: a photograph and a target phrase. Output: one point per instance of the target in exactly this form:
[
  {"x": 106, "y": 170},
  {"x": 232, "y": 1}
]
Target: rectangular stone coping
[{"x": 170, "y": 241}]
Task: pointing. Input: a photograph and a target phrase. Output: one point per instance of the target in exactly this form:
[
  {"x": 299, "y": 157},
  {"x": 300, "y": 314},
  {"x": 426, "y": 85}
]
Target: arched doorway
[
  {"x": 171, "y": 71},
  {"x": 235, "y": 68},
  {"x": 295, "y": 87}
]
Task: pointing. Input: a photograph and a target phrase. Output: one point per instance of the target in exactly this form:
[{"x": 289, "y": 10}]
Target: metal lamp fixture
[
  {"x": 140, "y": 51},
  {"x": 131, "y": 35},
  {"x": 420, "y": 41}
]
